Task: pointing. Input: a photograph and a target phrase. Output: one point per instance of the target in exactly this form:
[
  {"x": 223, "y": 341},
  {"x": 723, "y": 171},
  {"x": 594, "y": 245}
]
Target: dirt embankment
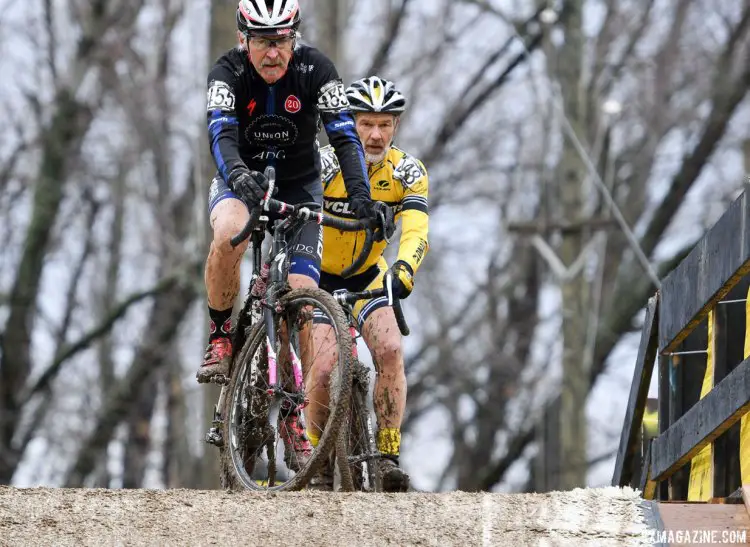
[{"x": 43, "y": 516}]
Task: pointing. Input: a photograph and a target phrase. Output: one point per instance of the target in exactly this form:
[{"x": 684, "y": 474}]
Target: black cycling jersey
[{"x": 256, "y": 124}]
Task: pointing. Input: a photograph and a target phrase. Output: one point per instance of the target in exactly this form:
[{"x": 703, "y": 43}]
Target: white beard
[{"x": 372, "y": 158}]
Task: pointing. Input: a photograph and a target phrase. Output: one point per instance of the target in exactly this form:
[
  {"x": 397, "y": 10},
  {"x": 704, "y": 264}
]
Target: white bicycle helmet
[
  {"x": 373, "y": 94},
  {"x": 268, "y": 16}
]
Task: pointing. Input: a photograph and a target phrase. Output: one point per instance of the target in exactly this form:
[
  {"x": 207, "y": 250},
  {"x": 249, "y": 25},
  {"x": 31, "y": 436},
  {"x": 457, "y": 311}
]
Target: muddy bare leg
[
  {"x": 383, "y": 338},
  {"x": 222, "y": 275}
]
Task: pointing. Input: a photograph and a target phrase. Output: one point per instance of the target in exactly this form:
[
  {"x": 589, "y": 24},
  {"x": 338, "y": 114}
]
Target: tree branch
[
  {"x": 153, "y": 354},
  {"x": 726, "y": 98},
  {"x": 394, "y": 27},
  {"x": 91, "y": 336},
  {"x": 461, "y": 113},
  {"x": 495, "y": 473}
]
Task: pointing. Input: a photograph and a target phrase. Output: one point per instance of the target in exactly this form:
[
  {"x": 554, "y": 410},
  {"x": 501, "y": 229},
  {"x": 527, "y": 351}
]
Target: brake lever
[
  {"x": 389, "y": 287},
  {"x": 383, "y": 228},
  {"x": 270, "y": 174}
]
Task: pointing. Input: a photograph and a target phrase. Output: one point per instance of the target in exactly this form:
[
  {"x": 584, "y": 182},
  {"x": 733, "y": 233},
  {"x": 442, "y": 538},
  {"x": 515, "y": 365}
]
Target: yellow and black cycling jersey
[{"x": 400, "y": 181}]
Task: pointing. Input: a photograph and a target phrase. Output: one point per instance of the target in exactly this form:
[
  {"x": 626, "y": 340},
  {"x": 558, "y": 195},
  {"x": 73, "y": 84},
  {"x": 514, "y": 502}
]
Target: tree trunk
[
  {"x": 330, "y": 21},
  {"x": 223, "y": 31},
  {"x": 331, "y": 16},
  {"x": 105, "y": 347},
  {"x": 571, "y": 177},
  {"x": 60, "y": 145},
  {"x": 139, "y": 435},
  {"x": 223, "y": 36},
  {"x": 179, "y": 464},
  {"x": 153, "y": 354}
]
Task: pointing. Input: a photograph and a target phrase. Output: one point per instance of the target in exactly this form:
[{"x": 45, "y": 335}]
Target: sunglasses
[{"x": 262, "y": 43}]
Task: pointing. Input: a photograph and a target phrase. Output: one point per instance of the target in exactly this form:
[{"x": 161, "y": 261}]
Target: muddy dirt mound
[{"x": 44, "y": 516}]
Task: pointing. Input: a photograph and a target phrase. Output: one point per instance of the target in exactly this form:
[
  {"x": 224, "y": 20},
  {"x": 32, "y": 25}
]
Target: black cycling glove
[{"x": 250, "y": 186}]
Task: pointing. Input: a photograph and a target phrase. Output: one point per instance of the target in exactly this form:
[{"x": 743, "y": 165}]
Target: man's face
[
  {"x": 270, "y": 55},
  {"x": 376, "y": 130}
]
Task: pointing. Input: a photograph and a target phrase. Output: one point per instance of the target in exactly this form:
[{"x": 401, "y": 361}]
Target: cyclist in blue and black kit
[{"x": 266, "y": 101}]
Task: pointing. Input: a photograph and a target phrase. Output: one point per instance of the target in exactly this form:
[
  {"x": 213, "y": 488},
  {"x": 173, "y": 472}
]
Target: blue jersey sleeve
[{"x": 223, "y": 134}]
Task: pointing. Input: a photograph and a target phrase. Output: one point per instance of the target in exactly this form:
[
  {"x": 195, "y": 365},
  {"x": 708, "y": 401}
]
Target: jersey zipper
[{"x": 271, "y": 110}]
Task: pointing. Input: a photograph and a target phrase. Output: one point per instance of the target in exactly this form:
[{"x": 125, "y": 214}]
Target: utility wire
[{"x": 545, "y": 18}]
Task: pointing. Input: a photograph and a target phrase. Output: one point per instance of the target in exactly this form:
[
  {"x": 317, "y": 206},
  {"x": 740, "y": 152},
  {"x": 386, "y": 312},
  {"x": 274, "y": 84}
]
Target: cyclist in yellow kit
[{"x": 401, "y": 181}]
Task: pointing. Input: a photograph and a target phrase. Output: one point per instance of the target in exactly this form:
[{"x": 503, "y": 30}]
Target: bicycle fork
[{"x": 274, "y": 381}]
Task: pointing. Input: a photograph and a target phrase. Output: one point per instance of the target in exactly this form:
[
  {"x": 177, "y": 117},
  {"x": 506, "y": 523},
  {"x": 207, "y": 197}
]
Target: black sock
[{"x": 220, "y": 324}]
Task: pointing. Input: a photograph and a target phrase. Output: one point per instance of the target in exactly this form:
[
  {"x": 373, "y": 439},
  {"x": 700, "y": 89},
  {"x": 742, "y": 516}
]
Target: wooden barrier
[{"x": 709, "y": 437}]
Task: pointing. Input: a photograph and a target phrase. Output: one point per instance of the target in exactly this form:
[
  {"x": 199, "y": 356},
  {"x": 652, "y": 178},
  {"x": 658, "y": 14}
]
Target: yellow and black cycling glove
[{"x": 403, "y": 279}]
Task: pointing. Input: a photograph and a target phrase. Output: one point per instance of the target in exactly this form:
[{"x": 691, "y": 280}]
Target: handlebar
[
  {"x": 306, "y": 214},
  {"x": 346, "y": 297}
]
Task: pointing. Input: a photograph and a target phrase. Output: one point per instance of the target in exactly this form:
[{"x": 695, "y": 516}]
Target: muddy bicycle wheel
[
  {"x": 265, "y": 429},
  {"x": 357, "y": 455}
]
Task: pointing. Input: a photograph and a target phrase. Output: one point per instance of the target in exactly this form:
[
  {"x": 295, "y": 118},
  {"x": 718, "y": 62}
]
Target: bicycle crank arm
[{"x": 214, "y": 434}]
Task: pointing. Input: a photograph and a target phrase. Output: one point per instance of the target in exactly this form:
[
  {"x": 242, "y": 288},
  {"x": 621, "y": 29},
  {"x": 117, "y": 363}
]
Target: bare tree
[
  {"x": 69, "y": 118},
  {"x": 559, "y": 207},
  {"x": 532, "y": 127}
]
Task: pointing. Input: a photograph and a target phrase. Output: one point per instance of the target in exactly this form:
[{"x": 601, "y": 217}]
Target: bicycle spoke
[{"x": 268, "y": 416}]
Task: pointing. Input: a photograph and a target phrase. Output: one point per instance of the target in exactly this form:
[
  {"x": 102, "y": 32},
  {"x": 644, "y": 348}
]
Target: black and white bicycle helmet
[
  {"x": 373, "y": 94},
  {"x": 268, "y": 16}
]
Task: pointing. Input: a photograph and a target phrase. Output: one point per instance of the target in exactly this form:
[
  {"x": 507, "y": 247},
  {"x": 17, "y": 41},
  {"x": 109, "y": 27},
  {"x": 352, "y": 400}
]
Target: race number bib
[
  {"x": 408, "y": 171},
  {"x": 220, "y": 96},
  {"x": 329, "y": 164},
  {"x": 332, "y": 97}
]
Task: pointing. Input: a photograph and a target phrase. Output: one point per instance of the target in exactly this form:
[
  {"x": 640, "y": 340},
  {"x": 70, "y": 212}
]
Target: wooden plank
[
  {"x": 688, "y": 370},
  {"x": 719, "y": 260},
  {"x": 649, "y": 430},
  {"x": 677, "y": 483},
  {"x": 704, "y": 523},
  {"x": 725, "y": 404},
  {"x": 734, "y": 497},
  {"x": 647, "y": 486},
  {"x": 746, "y": 497},
  {"x": 720, "y": 452},
  {"x": 664, "y": 404},
  {"x": 636, "y": 462},
  {"x": 735, "y": 351},
  {"x": 701, "y": 465},
  {"x": 644, "y": 366}
]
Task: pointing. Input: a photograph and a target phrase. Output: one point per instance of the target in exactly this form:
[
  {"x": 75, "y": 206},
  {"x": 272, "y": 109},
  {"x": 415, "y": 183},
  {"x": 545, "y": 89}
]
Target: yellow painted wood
[
  {"x": 651, "y": 423},
  {"x": 744, "y": 423},
  {"x": 701, "y": 469}
]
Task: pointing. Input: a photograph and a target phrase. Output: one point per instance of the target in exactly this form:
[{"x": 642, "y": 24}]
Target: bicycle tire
[
  {"x": 339, "y": 392},
  {"x": 357, "y": 436}
]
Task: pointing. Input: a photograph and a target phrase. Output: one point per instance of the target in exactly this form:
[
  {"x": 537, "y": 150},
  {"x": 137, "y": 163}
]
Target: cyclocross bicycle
[{"x": 265, "y": 405}]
